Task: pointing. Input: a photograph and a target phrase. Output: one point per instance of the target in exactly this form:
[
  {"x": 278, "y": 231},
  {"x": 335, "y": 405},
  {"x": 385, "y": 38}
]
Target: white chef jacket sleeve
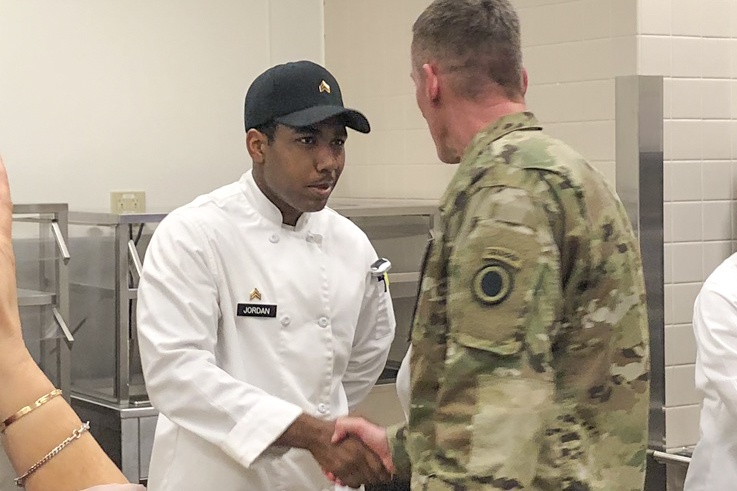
[
  {"x": 715, "y": 328},
  {"x": 371, "y": 342},
  {"x": 178, "y": 317}
]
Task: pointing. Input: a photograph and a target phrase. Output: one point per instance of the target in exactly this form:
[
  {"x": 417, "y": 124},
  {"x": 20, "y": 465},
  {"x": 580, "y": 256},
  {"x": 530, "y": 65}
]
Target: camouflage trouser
[{"x": 431, "y": 483}]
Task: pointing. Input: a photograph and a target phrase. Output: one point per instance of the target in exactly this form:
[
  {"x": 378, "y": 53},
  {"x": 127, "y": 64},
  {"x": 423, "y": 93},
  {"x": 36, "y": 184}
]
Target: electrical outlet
[{"x": 128, "y": 202}]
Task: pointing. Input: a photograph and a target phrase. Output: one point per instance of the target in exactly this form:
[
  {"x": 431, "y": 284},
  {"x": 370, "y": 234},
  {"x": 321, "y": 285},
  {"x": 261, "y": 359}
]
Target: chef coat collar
[{"x": 264, "y": 206}]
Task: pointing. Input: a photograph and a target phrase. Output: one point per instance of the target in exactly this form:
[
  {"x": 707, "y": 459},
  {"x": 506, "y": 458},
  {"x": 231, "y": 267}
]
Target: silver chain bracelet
[{"x": 20, "y": 481}]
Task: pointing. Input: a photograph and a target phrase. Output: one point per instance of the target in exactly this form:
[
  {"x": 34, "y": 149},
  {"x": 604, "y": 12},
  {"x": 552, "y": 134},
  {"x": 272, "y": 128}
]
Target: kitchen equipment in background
[
  {"x": 107, "y": 378},
  {"x": 42, "y": 257}
]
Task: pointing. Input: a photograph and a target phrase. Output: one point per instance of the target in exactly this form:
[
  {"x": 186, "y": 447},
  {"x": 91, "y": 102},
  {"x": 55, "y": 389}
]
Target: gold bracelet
[
  {"x": 76, "y": 434},
  {"x": 27, "y": 409}
]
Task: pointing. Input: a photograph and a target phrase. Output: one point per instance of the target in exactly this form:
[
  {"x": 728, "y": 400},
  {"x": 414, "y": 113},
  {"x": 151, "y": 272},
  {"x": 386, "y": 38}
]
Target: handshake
[{"x": 351, "y": 451}]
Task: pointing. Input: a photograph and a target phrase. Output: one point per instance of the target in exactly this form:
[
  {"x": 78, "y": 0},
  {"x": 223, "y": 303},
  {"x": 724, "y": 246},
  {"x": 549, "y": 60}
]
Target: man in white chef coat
[
  {"x": 714, "y": 463},
  {"x": 259, "y": 319}
]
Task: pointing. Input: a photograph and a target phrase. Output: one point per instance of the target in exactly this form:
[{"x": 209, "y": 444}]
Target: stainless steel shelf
[
  {"x": 32, "y": 298},
  {"x": 380, "y": 207},
  {"x": 132, "y": 292},
  {"x": 27, "y": 209},
  {"x": 126, "y": 410},
  {"x": 42, "y": 258},
  {"x": 108, "y": 219}
]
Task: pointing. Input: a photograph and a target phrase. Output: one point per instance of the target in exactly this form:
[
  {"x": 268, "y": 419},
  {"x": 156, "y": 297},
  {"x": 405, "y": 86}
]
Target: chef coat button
[
  {"x": 323, "y": 322},
  {"x": 322, "y": 408},
  {"x": 285, "y": 320},
  {"x": 274, "y": 239}
]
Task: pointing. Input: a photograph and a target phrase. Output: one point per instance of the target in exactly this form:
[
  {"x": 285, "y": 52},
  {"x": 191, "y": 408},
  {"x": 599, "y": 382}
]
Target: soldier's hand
[
  {"x": 372, "y": 435},
  {"x": 348, "y": 461}
]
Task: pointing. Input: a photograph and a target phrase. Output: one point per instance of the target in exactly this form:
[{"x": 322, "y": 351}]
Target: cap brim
[{"x": 312, "y": 115}]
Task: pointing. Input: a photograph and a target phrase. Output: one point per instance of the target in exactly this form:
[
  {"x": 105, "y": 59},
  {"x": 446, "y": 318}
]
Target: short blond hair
[{"x": 478, "y": 41}]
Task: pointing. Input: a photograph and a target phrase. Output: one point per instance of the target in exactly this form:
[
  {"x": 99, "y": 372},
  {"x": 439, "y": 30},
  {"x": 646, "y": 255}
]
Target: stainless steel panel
[
  {"x": 146, "y": 431},
  {"x": 639, "y": 170},
  {"x": 125, "y": 434},
  {"x": 130, "y": 463}
]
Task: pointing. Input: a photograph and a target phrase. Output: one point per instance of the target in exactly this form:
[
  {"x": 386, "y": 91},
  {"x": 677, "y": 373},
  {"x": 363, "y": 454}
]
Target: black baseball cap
[{"x": 298, "y": 94}]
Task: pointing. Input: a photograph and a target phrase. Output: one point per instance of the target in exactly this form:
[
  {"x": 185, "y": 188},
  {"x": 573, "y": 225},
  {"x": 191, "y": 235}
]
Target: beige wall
[
  {"x": 572, "y": 63},
  {"x": 573, "y": 51},
  {"x": 102, "y": 95},
  {"x": 367, "y": 49}
]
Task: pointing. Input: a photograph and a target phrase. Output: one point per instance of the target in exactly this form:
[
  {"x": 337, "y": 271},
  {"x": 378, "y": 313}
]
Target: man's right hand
[
  {"x": 350, "y": 461},
  {"x": 371, "y": 435}
]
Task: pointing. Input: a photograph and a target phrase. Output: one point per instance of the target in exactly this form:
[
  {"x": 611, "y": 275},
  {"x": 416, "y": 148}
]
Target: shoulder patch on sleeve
[{"x": 493, "y": 283}]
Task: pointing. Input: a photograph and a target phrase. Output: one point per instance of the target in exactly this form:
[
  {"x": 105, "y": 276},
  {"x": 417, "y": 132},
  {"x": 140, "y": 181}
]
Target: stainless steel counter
[{"x": 374, "y": 207}]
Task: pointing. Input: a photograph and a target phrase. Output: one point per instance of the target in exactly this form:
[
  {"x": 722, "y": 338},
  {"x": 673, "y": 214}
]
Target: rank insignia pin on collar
[{"x": 255, "y": 294}]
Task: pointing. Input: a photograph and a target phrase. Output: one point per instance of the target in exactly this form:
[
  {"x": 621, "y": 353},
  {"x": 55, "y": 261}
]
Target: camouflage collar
[{"x": 499, "y": 128}]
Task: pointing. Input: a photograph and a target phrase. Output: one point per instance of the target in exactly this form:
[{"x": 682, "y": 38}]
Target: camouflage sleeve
[
  {"x": 504, "y": 301},
  {"x": 397, "y": 436}
]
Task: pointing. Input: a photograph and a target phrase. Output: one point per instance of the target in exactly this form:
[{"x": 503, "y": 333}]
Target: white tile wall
[
  {"x": 687, "y": 270},
  {"x": 680, "y": 347},
  {"x": 668, "y": 181},
  {"x": 700, "y": 228},
  {"x": 687, "y": 102},
  {"x": 655, "y": 17},
  {"x": 686, "y": 180},
  {"x": 686, "y": 55},
  {"x": 714, "y": 94},
  {"x": 686, "y": 139},
  {"x": 668, "y": 263},
  {"x": 625, "y": 55},
  {"x": 654, "y": 57},
  {"x": 683, "y": 296},
  {"x": 717, "y": 22},
  {"x": 716, "y": 183},
  {"x": 681, "y": 425},
  {"x": 716, "y": 140},
  {"x": 717, "y": 220},
  {"x": 687, "y": 221},
  {"x": 714, "y": 254},
  {"x": 688, "y": 18},
  {"x": 715, "y": 55},
  {"x": 668, "y": 306},
  {"x": 680, "y": 389}
]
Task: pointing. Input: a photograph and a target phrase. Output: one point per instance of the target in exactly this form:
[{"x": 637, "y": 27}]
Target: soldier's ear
[
  {"x": 524, "y": 81},
  {"x": 432, "y": 82}
]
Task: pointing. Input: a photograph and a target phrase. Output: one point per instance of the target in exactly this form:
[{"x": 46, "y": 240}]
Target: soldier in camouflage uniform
[{"x": 530, "y": 363}]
